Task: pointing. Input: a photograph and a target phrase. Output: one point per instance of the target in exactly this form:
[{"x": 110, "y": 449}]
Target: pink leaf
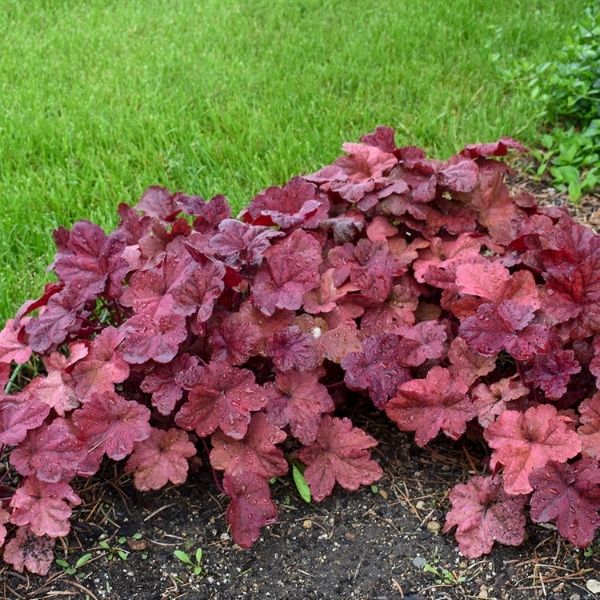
[
  {"x": 29, "y": 551},
  {"x": 468, "y": 364},
  {"x": 11, "y": 347},
  {"x": 103, "y": 367},
  {"x": 524, "y": 442},
  {"x": 52, "y": 453},
  {"x": 4, "y": 517},
  {"x": 160, "y": 458},
  {"x": 341, "y": 453},
  {"x": 484, "y": 513},
  {"x": 19, "y": 414},
  {"x": 589, "y": 430},
  {"x": 44, "y": 507}
]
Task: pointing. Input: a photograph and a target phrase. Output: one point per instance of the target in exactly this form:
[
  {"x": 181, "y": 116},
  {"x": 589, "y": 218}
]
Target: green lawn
[{"x": 100, "y": 99}]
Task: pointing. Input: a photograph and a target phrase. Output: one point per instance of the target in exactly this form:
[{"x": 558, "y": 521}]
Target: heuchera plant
[{"x": 422, "y": 286}]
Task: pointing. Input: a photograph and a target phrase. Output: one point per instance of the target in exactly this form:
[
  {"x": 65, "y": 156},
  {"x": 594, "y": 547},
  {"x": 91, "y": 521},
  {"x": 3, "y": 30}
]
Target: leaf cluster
[{"x": 419, "y": 285}]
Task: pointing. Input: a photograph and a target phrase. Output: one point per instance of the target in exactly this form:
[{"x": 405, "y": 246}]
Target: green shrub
[{"x": 567, "y": 91}]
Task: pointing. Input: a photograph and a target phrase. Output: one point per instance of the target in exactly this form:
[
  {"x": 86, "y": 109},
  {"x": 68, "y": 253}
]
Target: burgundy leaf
[
  {"x": 163, "y": 384},
  {"x": 569, "y": 495},
  {"x": 291, "y": 270},
  {"x": 292, "y": 348},
  {"x": 377, "y": 368},
  {"x": 250, "y": 508}
]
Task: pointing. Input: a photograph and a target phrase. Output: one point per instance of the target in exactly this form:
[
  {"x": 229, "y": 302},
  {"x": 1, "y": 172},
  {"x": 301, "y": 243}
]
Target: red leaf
[
  {"x": 28, "y": 551},
  {"x": 223, "y": 397},
  {"x": 459, "y": 175},
  {"x": 110, "y": 424},
  {"x": 291, "y": 270},
  {"x": 163, "y": 384},
  {"x": 239, "y": 244},
  {"x": 341, "y": 453},
  {"x": 102, "y": 368},
  {"x": 382, "y": 138},
  {"x": 298, "y": 400},
  {"x": 52, "y": 453},
  {"x": 159, "y": 202},
  {"x": 250, "y": 508},
  {"x": 589, "y": 430},
  {"x": 160, "y": 458},
  {"x": 153, "y": 337},
  {"x": 44, "y": 507},
  {"x": 575, "y": 297},
  {"x": 428, "y": 406},
  {"x": 56, "y": 321},
  {"x": 499, "y": 148},
  {"x": 357, "y": 174},
  {"x": 296, "y": 203},
  {"x": 483, "y": 513},
  {"x": 569, "y": 495},
  {"x": 468, "y": 364},
  {"x": 235, "y": 339},
  {"x": 256, "y": 453},
  {"x": 524, "y": 442}
]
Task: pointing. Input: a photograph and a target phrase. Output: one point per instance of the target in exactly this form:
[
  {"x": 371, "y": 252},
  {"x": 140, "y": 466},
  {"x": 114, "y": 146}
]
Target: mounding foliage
[{"x": 421, "y": 285}]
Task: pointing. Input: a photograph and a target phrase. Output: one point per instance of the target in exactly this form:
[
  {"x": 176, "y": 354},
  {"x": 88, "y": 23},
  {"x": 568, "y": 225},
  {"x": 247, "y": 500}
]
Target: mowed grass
[{"x": 100, "y": 99}]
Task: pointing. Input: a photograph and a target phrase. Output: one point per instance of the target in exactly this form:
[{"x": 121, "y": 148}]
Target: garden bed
[{"x": 382, "y": 542}]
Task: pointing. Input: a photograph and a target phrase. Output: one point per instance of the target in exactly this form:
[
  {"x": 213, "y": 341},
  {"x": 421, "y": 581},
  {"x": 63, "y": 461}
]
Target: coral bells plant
[{"x": 422, "y": 286}]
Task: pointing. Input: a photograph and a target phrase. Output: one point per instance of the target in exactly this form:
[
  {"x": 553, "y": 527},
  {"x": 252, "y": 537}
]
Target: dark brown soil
[{"x": 380, "y": 543}]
